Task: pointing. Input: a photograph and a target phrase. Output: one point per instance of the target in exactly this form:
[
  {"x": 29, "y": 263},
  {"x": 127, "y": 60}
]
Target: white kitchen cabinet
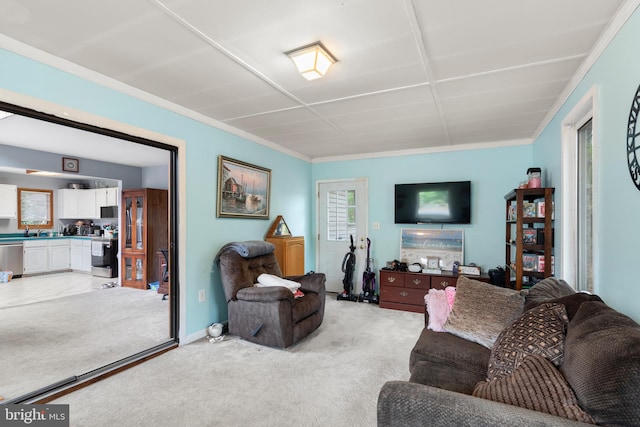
[
  {"x": 86, "y": 256},
  {"x": 9, "y": 201},
  {"x": 35, "y": 256},
  {"x": 80, "y": 255},
  {"x": 75, "y": 254},
  {"x": 106, "y": 197},
  {"x": 87, "y": 204},
  {"x": 59, "y": 255},
  {"x": 77, "y": 204},
  {"x": 68, "y": 203}
]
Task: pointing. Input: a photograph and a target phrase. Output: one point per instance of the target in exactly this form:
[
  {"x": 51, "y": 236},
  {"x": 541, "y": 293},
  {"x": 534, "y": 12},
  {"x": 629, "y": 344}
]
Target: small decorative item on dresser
[
  {"x": 469, "y": 270},
  {"x": 431, "y": 265}
]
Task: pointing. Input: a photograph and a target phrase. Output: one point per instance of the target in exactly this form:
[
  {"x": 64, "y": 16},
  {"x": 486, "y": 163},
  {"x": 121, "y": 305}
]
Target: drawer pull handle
[
  {"x": 416, "y": 281},
  {"x": 404, "y": 294},
  {"x": 391, "y": 279},
  {"x": 444, "y": 284}
]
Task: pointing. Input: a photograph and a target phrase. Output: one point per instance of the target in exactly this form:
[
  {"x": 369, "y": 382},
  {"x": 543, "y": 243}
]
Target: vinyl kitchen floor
[{"x": 27, "y": 290}]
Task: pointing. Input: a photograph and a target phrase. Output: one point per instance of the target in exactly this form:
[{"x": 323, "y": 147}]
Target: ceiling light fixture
[{"x": 312, "y": 60}]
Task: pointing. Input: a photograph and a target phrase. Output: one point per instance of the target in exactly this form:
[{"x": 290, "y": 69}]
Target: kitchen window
[{"x": 35, "y": 208}]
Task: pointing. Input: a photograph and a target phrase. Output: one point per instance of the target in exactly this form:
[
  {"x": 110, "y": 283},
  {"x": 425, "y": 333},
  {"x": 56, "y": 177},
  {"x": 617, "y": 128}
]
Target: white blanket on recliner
[{"x": 265, "y": 280}]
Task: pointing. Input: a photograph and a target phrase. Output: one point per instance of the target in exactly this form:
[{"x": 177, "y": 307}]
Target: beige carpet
[
  {"x": 332, "y": 378},
  {"x": 48, "y": 341}
]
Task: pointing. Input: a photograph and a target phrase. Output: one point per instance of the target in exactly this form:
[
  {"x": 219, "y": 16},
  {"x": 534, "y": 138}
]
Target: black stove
[{"x": 104, "y": 257}]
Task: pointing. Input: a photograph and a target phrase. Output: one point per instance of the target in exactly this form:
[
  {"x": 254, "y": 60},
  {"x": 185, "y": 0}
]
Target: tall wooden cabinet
[
  {"x": 529, "y": 235},
  {"x": 145, "y": 231}
]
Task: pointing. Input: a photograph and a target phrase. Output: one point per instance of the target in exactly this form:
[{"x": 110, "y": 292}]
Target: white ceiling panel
[
  {"x": 40, "y": 135},
  {"x": 410, "y": 73},
  {"x": 464, "y": 37},
  {"x": 419, "y": 97}
]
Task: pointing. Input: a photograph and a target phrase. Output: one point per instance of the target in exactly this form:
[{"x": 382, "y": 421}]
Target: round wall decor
[{"x": 633, "y": 140}]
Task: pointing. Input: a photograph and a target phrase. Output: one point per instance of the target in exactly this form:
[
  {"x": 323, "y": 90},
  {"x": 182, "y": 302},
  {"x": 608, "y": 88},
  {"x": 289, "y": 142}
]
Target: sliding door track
[{"x": 58, "y": 389}]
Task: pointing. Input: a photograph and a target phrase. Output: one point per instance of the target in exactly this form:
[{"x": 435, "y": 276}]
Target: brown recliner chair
[{"x": 267, "y": 315}]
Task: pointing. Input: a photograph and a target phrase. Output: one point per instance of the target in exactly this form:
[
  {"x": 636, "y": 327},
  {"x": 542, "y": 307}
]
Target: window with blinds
[{"x": 341, "y": 214}]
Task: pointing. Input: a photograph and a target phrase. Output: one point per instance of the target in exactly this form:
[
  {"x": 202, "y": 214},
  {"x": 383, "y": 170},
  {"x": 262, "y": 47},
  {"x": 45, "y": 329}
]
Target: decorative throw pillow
[
  {"x": 545, "y": 290},
  {"x": 536, "y": 384},
  {"x": 572, "y": 302},
  {"x": 602, "y": 363},
  {"x": 540, "y": 330},
  {"x": 438, "y": 309},
  {"x": 450, "y": 291},
  {"x": 481, "y": 311}
]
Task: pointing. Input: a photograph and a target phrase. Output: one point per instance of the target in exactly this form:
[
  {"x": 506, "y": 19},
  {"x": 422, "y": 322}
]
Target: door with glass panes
[{"x": 342, "y": 213}]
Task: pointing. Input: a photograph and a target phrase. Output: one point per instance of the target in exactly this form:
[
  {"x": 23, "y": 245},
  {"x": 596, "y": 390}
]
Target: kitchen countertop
[{"x": 8, "y": 238}]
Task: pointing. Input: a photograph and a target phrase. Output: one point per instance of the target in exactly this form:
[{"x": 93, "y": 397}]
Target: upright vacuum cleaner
[
  {"x": 369, "y": 293},
  {"x": 348, "y": 266}
]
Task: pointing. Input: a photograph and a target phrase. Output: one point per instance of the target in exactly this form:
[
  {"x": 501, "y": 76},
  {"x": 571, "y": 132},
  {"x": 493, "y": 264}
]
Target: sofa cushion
[
  {"x": 572, "y": 302},
  {"x": 540, "y": 330},
  {"x": 481, "y": 311},
  {"x": 535, "y": 384},
  {"x": 602, "y": 363},
  {"x": 443, "y": 360},
  {"x": 545, "y": 290}
]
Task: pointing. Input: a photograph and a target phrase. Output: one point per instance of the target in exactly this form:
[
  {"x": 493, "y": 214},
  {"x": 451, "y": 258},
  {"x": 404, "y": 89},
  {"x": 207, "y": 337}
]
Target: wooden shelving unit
[{"x": 519, "y": 218}]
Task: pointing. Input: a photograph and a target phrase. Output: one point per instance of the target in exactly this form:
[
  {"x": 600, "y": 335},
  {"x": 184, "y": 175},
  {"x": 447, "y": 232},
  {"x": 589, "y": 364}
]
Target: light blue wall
[
  {"x": 616, "y": 76},
  {"x": 205, "y": 233},
  {"x": 493, "y": 172}
]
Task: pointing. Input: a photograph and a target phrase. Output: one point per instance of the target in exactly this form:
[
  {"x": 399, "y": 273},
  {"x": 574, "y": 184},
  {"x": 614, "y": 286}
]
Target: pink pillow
[
  {"x": 438, "y": 309},
  {"x": 451, "y": 295}
]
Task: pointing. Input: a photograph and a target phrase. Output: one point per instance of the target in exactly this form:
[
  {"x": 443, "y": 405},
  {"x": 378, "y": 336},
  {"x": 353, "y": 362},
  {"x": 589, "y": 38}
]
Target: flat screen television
[{"x": 433, "y": 203}]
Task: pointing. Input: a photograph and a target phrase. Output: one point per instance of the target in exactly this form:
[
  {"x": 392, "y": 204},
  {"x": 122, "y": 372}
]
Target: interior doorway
[
  {"x": 141, "y": 319},
  {"x": 342, "y": 214}
]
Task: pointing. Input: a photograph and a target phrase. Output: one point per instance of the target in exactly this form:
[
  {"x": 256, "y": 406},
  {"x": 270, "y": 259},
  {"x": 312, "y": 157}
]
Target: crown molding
[{"x": 428, "y": 150}]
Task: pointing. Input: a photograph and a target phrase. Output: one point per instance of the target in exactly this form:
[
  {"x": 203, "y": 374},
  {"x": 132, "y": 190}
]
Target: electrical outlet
[{"x": 201, "y": 295}]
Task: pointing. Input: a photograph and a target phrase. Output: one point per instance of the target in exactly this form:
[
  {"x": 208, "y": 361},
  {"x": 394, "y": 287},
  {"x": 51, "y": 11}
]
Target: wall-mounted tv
[{"x": 433, "y": 203}]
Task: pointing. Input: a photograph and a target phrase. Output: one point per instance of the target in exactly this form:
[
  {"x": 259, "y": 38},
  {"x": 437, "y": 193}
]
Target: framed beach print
[
  {"x": 243, "y": 189},
  {"x": 445, "y": 244}
]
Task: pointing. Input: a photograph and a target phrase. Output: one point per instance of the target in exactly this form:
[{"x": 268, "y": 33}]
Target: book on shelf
[
  {"x": 541, "y": 209},
  {"x": 511, "y": 213},
  {"x": 533, "y": 262},
  {"x": 529, "y": 262},
  {"x": 529, "y": 236},
  {"x": 529, "y": 209}
]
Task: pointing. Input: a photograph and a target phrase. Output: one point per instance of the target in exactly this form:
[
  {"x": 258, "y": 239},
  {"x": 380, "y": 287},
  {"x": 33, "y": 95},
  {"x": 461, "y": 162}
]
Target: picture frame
[
  {"x": 70, "y": 165},
  {"x": 445, "y": 244},
  {"x": 244, "y": 190},
  {"x": 279, "y": 228},
  {"x": 469, "y": 270}
]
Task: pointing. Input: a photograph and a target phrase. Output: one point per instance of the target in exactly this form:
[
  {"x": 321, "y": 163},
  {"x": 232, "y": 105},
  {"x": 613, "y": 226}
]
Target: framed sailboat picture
[{"x": 243, "y": 189}]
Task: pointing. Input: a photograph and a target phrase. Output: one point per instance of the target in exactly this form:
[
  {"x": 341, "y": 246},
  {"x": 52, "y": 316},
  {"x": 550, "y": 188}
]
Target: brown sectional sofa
[{"x": 601, "y": 364}]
